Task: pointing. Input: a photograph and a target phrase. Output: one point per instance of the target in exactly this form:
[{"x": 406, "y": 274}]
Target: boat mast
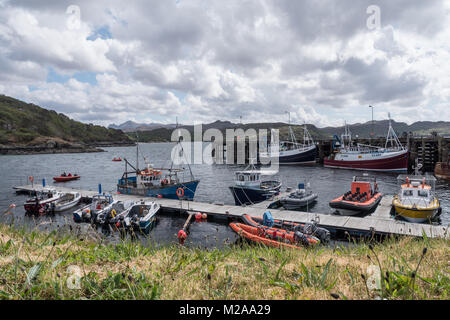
[
  {"x": 137, "y": 152},
  {"x": 392, "y": 138},
  {"x": 291, "y": 133}
]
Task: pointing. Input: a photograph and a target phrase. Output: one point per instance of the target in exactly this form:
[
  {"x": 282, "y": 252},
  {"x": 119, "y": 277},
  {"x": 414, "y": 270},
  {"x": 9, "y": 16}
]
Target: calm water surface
[{"x": 95, "y": 168}]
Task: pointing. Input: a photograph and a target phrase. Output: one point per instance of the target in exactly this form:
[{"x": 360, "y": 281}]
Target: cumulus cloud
[{"x": 204, "y": 60}]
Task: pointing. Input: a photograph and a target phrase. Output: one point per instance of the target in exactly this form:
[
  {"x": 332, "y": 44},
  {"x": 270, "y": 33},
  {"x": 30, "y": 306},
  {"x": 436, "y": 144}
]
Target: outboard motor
[
  {"x": 268, "y": 219},
  {"x": 301, "y": 238}
]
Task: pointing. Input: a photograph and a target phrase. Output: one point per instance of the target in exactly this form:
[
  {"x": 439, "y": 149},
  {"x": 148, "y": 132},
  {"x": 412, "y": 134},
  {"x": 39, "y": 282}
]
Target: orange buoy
[
  {"x": 198, "y": 216},
  {"x": 181, "y": 236}
]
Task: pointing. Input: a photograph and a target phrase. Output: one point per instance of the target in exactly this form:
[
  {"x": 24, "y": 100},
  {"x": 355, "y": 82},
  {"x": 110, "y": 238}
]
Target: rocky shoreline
[{"x": 52, "y": 146}]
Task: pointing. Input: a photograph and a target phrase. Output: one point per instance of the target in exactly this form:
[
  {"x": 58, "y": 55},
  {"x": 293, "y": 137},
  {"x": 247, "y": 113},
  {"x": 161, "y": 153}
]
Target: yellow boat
[{"x": 416, "y": 201}]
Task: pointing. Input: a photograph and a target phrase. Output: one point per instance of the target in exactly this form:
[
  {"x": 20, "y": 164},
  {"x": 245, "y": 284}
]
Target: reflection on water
[{"x": 95, "y": 168}]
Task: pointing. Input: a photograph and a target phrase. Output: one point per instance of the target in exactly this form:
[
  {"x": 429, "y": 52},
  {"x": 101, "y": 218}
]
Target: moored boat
[
  {"x": 67, "y": 201},
  {"x": 140, "y": 216},
  {"x": 89, "y": 212},
  {"x": 107, "y": 214},
  {"x": 158, "y": 182},
  {"x": 416, "y": 201},
  {"x": 248, "y": 187},
  {"x": 363, "y": 198},
  {"x": 298, "y": 199},
  {"x": 41, "y": 202},
  {"x": 291, "y": 151},
  {"x": 273, "y": 237},
  {"x": 442, "y": 170},
  {"x": 393, "y": 157},
  {"x": 308, "y": 229},
  {"x": 117, "y": 159}
]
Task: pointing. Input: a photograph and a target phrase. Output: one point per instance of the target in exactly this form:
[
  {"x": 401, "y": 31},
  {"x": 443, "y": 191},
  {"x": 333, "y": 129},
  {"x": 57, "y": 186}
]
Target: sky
[{"x": 200, "y": 61}]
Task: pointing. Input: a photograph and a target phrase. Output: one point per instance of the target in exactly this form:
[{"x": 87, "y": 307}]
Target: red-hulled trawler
[{"x": 393, "y": 157}]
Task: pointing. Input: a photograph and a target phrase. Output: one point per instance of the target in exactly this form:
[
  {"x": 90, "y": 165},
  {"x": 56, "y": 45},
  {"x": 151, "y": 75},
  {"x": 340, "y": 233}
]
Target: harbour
[{"x": 379, "y": 223}]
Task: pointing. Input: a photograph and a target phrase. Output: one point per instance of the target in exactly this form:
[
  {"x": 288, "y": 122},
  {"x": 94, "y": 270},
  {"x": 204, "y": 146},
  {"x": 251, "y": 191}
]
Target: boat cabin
[{"x": 247, "y": 178}]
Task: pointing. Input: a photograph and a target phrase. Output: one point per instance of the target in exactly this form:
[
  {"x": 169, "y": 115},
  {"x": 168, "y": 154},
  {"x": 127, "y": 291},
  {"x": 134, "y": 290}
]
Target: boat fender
[
  {"x": 204, "y": 216},
  {"x": 268, "y": 219},
  {"x": 301, "y": 238},
  {"x": 160, "y": 196},
  {"x": 198, "y": 216}
]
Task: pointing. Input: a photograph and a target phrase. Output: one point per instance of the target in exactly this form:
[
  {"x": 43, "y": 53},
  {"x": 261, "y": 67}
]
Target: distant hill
[
  {"x": 25, "y": 124},
  {"x": 362, "y": 130},
  {"x": 131, "y": 126}
]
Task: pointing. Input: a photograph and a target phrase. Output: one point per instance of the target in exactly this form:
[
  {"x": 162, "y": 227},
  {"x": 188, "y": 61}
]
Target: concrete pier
[{"x": 378, "y": 223}]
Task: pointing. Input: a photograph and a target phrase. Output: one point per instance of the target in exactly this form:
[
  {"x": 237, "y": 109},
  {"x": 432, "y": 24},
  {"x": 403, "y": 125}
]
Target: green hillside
[{"x": 22, "y": 123}]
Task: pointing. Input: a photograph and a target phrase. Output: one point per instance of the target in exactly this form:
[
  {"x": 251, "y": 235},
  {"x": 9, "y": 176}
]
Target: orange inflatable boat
[
  {"x": 273, "y": 237},
  {"x": 362, "y": 198}
]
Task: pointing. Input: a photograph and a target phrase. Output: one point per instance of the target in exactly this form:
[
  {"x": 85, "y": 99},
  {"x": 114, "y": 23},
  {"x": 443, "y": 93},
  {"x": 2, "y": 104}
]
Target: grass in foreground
[{"x": 35, "y": 265}]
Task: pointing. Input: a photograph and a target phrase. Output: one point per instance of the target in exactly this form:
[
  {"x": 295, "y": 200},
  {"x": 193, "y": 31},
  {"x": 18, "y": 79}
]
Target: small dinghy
[
  {"x": 67, "y": 201},
  {"x": 140, "y": 216},
  {"x": 361, "y": 199},
  {"x": 41, "y": 202},
  {"x": 117, "y": 159},
  {"x": 306, "y": 228},
  {"x": 273, "y": 237},
  {"x": 65, "y": 178},
  {"x": 299, "y": 198},
  {"x": 89, "y": 213}
]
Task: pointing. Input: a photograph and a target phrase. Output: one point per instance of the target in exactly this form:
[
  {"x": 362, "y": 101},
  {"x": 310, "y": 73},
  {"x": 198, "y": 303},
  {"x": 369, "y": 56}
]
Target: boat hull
[
  {"x": 245, "y": 196},
  {"x": 166, "y": 191},
  {"x": 65, "y": 179},
  {"x": 416, "y": 214},
  {"x": 397, "y": 163},
  {"x": 295, "y": 157},
  {"x": 266, "y": 236}
]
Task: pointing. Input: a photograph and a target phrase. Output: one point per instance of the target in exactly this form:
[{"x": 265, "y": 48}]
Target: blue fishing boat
[{"x": 157, "y": 182}]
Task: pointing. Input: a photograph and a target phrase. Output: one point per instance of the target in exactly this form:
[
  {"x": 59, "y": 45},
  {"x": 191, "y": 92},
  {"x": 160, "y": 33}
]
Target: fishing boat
[
  {"x": 89, "y": 212},
  {"x": 117, "y": 159},
  {"x": 67, "y": 201},
  {"x": 308, "y": 229},
  {"x": 140, "y": 216},
  {"x": 42, "y": 200},
  {"x": 107, "y": 214},
  {"x": 416, "y": 201},
  {"x": 248, "y": 187},
  {"x": 442, "y": 170},
  {"x": 363, "y": 198},
  {"x": 291, "y": 151},
  {"x": 168, "y": 183},
  {"x": 393, "y": 157},
  {"x": 65, "y": 178},
  {"x": 273, "y": 237},
  {"x": 300, "y": 198}
]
